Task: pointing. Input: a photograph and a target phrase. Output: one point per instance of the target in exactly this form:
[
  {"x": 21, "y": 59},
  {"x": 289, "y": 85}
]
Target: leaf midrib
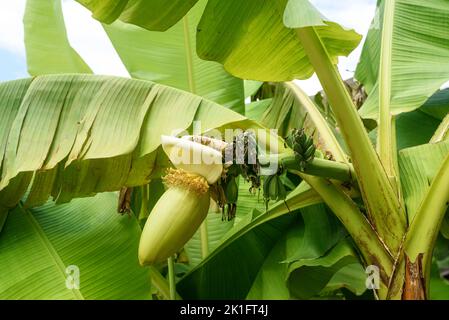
[
  {"x": 386, "y": 139},
  {"x": 189, "y": 55}
]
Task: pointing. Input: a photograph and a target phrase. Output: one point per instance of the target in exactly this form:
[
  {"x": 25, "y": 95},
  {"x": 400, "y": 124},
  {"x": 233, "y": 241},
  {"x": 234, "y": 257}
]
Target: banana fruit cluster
[
  {"x": 302, "y": 145},
  {"x": 273, "y": 188}
]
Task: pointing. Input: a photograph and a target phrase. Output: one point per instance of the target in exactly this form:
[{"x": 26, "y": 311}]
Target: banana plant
[
  {"x": 72, "y": 136},
  {"x": 391, "y": 69}
]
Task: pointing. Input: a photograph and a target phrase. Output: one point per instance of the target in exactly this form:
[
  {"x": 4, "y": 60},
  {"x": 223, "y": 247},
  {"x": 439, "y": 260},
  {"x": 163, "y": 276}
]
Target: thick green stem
[
  {"x": 171, "y": 278},
  {"x": 322, "y": 168},
  {"x": 384, "y": 209},
  {"x": 365, "y": 237},
  {"x": 204, "y": 239}
]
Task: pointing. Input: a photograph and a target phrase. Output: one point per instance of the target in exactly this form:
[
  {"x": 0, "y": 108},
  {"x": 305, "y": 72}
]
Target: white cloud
[{"x": 11, "y": 26}]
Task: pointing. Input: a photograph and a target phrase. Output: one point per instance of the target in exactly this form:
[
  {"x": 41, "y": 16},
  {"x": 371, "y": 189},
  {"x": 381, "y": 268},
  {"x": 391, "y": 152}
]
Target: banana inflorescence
[
  {"x": 185, "y": 204},
  {"x": 175, "y": 217}
]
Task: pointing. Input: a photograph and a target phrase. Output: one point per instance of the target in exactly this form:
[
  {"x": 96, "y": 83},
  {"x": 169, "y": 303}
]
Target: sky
[{"x": 88, "y": 37}]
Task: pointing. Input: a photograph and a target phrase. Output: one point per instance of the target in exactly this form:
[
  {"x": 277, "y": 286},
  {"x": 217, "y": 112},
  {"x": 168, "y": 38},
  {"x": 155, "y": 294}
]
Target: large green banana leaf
[
  {"x": 170, "y": 58},
  {"x": 255, "y": 245},
  {"x": 415, "y": 128},
  {"x": 308, "y": 277},
  {"x": 419, "y": 126},
  {"x": 270, "y": 280},
  {"x": 351, "y": 276},
  {"x": 248, "y": 37},
  {"x": 418, "y": 166},
  {"x": 367, "y": 70},
  {"x": 290, "y": 268},
  {"x": 216, "y": 229},
  {"x": 85, "y": 134},
  {"x": 255, "y": 39},
  {"x": 438, "y": 105},
  {"x": 47, "y": 48},
  {"x": 38, "y": 247},
  {"x": 414, "y": 59},
  {"x": 167, "y": 58},
  {"x": 158, "y": 15}
]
